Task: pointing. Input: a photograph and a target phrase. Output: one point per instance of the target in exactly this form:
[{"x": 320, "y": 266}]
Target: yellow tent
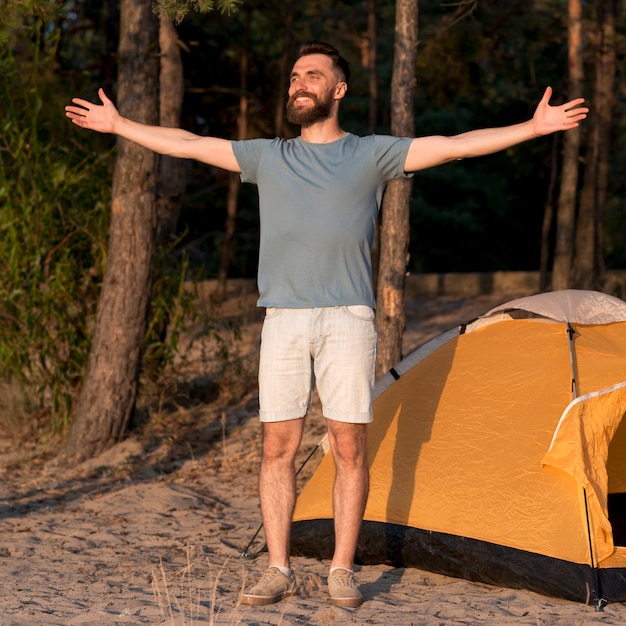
[{"x": 498, "y": 453}]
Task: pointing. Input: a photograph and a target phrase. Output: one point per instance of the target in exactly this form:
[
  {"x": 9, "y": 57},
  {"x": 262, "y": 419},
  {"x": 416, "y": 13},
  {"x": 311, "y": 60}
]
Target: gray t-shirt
[{"x": 318, "y": 205}]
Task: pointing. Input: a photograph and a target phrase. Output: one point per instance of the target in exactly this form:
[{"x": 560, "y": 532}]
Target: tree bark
[
  {"x": 566, "y": 208},
  {"x": 394, "y": 236},
  {"x": 279, "y": 114},
  {"x": 589, "y": 266},
  {"x": 234, "y": 181},
  {"x": 172, "y": 180},
  {"x": 548, "y": 217},
  {"x": 109, "y": 390},
  {"x": 372, "y": 29},
  {"x": 372, "y": 70}
]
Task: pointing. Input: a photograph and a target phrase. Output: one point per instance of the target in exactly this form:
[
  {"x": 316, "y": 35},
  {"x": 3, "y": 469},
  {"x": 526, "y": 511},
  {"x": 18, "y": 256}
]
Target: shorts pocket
[
  {"x": 272, "y": 312},
  {"x": 360, "y": 312}
]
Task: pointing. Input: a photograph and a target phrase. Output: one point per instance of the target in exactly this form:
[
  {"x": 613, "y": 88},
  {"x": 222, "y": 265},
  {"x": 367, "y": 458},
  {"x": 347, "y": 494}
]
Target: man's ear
[{"x": 341, "y": 90}]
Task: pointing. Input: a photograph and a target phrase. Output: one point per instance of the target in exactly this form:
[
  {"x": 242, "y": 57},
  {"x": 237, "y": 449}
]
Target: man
[{"x": 319, "y": 195}]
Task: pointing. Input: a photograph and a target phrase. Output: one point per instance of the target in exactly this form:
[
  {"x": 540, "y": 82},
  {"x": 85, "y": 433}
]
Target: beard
[{"x": 307, "y": 114}]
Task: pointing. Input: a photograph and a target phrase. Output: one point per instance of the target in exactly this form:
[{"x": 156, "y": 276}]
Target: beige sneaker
[
  {"x": 343, "y": 589},
  {"x": 272, "y": 587}
]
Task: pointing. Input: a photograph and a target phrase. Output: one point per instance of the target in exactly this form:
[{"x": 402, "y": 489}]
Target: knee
[
  {"x": 280, "y": 447},
  {"x": 275, "y": 453},
  {"x": 349, "y": 455},
  {"x": 348, "y": 443}
]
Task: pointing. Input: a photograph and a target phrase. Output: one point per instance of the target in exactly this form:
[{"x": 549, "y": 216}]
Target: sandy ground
[{"x": 153, "y": 531}]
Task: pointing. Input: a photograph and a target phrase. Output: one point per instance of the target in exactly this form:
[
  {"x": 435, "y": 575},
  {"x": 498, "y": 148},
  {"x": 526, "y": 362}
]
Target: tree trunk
[
  {"x": 172, "y": 180},
  {"x": 589, "y": 267},
  {"x": 279, "y": 115},
  {"x": 372, "y": 66},
  {"x": 110, "y": 387},
  {"x": 372, "y": 62},
  {"x": 234, "y": 181},
  {"x": 548, "y": 216},
  {"x": 566, "y": 211},
  {"x": 394, "y": 237}
]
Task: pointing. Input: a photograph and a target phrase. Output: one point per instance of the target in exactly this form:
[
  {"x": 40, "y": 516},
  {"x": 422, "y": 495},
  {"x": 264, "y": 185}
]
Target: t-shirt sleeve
[
  {"x": 248, "y": 154},
  {"x": 391, "y": 156}
]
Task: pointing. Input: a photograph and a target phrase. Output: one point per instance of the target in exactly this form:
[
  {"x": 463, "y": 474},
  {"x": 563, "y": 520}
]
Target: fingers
[
  {"x": 574, "y": 116},
  {"x": 85, "y": 104},
  {"x": 574, "y": 105},
  {"x": 103, "y": 97},
  {"x": 572, "y": 110},
  {"x": 547, "y": 94},
  {"x": 575, "y": 102},
  {"x": 578, "y": 113},
  {"x": 574, "y": 113},
  {"x": 74, "y": 112},
  {"x": 81, "y": 114}
]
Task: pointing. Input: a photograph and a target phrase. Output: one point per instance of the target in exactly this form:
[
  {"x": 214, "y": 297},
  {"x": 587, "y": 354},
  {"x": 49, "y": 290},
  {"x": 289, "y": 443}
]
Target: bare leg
[
  {"x": 347, "y": 442},
  {"x": 277, "y": 485}
]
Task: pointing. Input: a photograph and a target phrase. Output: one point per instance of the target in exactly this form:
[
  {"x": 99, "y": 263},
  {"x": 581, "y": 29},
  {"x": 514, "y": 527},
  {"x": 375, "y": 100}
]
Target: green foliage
[
  {"x": 20, "y": 15},
  {"x": 177, "y": 10},
  {"x": 55, "y": 186},
  {"x": 171, "y": 305},
  {"x": 53, "y": 222},
  {"x": 490, "y": 69},
  {"x": 54, "y": 219}
]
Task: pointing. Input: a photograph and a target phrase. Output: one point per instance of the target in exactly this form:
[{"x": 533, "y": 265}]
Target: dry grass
[{"x": 182, "y": 607}]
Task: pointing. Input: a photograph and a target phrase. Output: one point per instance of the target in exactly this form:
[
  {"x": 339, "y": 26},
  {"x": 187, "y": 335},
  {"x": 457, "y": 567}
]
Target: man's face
[
  {"x": 312, "y": 88},
  {"x": 304, "y": 108}
]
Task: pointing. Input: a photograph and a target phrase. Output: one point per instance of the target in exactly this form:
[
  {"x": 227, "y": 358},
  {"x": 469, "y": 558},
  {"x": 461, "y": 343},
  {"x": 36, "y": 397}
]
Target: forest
[{"x": 477, "y": 64}]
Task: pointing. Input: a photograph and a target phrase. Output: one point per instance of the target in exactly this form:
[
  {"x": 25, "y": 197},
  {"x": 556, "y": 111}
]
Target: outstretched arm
[
  {"x": 176, "y": 142},
  {"x": 427, "y": 152}
]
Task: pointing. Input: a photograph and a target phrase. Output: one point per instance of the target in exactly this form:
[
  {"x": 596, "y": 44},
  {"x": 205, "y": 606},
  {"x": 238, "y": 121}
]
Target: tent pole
[
  {"x": 572, "y": 360},
  {"x": 246, "y": 554},
  {"x": 598, "y": 600}
]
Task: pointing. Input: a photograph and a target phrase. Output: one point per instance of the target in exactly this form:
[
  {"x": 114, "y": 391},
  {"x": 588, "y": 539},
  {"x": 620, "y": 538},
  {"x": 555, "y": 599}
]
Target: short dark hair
[{"x": 320, "y": 47}]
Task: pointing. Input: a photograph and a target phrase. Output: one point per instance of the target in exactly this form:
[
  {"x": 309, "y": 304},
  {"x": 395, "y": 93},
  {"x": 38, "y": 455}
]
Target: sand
[{"x": 153, "y": 531}]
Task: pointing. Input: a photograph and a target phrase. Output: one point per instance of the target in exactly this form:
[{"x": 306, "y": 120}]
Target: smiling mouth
[{"x": 304, "y": 97}]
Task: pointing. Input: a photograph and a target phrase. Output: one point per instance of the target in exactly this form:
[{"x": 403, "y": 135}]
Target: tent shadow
[
  {"x": 383, "y": 585},
  {"x": 403, "y": 421}
]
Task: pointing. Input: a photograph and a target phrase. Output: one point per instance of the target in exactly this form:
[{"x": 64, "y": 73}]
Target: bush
[{"x": 54, "y": 194}]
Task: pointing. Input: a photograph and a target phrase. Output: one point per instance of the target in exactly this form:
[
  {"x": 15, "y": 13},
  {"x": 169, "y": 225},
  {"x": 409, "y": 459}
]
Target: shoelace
[
  {"x": 269, "y": 576},
  {"x": 345, "y": 578}
]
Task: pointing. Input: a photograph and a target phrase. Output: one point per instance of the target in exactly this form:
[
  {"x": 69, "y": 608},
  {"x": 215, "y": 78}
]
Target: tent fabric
[
  {"x": 580, "y": 447},
  {"x": 570, "y": 305},
  {"x": 482, "y": 466}
]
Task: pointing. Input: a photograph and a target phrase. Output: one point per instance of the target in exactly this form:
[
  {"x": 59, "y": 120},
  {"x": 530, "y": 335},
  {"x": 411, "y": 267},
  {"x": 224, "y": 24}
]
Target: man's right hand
[{"x": 99, "y": 117}]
